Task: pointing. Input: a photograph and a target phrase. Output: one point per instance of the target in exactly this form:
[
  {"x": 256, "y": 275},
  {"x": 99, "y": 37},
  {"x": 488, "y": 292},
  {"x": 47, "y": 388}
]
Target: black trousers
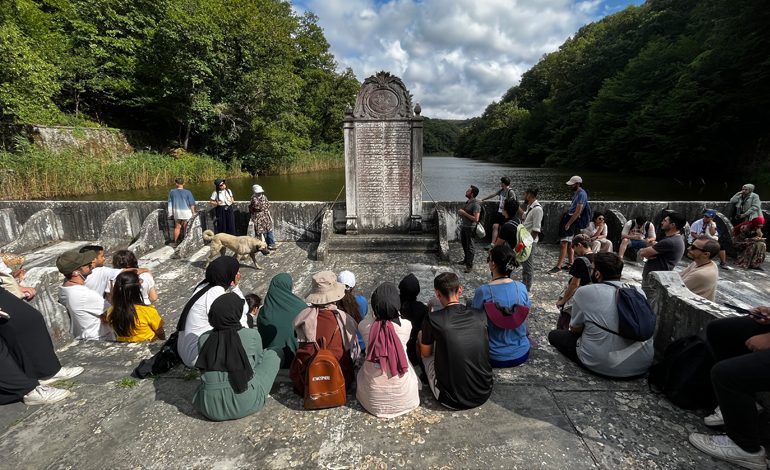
[
  {"x": 225, "y": 219},
  {"x": 738, "y": 375},
  {"x": 469, "y": 249},
  {"x": 566, "y": 343}
]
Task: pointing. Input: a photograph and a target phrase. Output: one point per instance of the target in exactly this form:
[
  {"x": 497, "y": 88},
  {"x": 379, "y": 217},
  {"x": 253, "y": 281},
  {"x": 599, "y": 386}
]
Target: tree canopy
[
  {"x": 246, "y": 79},
  {"x": 671, "y": 85}
]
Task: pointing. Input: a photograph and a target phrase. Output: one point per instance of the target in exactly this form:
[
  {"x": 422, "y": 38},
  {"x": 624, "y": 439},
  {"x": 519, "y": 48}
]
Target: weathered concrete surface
[
  {"x": 119, "y": 230},
  {"x": 41, "y": 229},
  {"x": 9, "y": 226},
  {"x": 547, "y": 413},
  {"x": 153, "y": 234}
]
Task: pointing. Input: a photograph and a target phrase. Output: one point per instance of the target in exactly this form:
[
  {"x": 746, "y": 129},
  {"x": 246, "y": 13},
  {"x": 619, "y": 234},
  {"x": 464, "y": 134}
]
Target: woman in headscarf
[
  {"x": 386, "y": 385},
  {"x": 324, "y": 320},
  {"x": 751, "y": 245},
  {"x": 508, "y": 338},
  {"x": 412, "y": 310},
  {"x": 237, "y": 373},
  {"x": 275, "y": 320},
  {"x": 746, "y": 207},
  {"x": 221, "y": 275},
  {"x": 259, "y": 208}
]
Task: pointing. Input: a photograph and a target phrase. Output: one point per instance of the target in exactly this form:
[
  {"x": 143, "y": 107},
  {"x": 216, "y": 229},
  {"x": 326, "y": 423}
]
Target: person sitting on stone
[
  {"x": 412, "y": 310},
  {"x": 132, "y": 319},
  {"x": 84, "y": 305},
  {"x": 454, "y": 345},
  {"x": 222, "y": 275},
  {"x": 275, "y": 321},
  {"x": 707, "y": 227},
  {"x": 597, "y": 233},
  {"x": 508, "y": 341},
  {"x": 750, "y": 243},
  {"x": 353, "y": 304},
  {"x": 28, "y": 362},
  {"x": 102, "y": 276},
  {"x": 588, "y": 341},
  {"x": 125, "y": 259},
  {"x": 259, "y": 208},
  {"x": 741, "y": 350},
  {"x": 746, "y": 206},
  {"x": 637, "y": 233},
  {"x": 580, "y": 275},
  {"x": 386, "y": 385},
  {"x": 10, "y": 282},
  {"x": 505, "y": 193},
  {"x": 702, "y": 274},
  {"x": 253, "y": 302},
  {"x": 664, "y": 254},
  {"x": 237, "y": 373},
  {"x": 323, "y": 319}
]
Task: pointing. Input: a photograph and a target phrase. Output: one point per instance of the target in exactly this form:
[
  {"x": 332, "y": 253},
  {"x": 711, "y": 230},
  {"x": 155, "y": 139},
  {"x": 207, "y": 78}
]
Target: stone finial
[
  {"x": 349, "y": 110},
  {"x": 417, "y": 109}
]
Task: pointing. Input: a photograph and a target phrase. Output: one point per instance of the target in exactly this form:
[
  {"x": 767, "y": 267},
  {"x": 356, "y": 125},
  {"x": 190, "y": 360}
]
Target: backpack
[
  {"x": 163, "y": 361},
  {"x": 636, "y": 320},
  {"x": 523, "y": 248},
  {"x": 684, "y": 374},
  {"x": 324, "y": 381}
]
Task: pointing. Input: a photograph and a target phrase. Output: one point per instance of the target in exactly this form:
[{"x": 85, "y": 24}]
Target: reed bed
[
  {"x": 308, "y": 162},
  {"x": 33, "y": 173}
]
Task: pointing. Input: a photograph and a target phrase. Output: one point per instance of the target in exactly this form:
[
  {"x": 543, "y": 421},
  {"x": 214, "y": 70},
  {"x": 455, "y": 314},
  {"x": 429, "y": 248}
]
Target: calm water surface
[{"x": 446, "y": 178}]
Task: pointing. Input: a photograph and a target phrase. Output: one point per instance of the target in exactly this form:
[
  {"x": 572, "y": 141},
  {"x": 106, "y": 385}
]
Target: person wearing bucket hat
[
  {"x": 324, "y": 320},
  {"x": 223, "y": 201},
  {"x": 85, "y": 306},
  {"x": 707, "y": 227},
  {"x": 508, "y": 341},
  {"x": 575, "y": 219},
  {"x": 259, "y": 208}
]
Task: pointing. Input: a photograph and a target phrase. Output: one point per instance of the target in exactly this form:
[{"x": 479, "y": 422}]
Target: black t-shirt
[
  {"x": 670, "y": 251},
  {"x": 508, "y": 232},
  {"x": 415, "y": 312},
  {"x": 463, "y": 371},
  {"x": 581, "y": 268}
]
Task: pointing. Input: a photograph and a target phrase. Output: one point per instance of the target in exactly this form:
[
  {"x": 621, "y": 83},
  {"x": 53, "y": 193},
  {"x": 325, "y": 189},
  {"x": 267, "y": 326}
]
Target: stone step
[{"x": 384, "y": 243}]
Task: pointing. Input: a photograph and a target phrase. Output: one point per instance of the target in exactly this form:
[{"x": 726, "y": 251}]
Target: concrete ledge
[
  {"x": 9, "y": 226},
  {"x": 152, "y": 235},
  {"x": 42, "y": 228},
  {"x": 680, "y": 312},
  {"x": 327, "y": 227},
  {"x": 46, "y": 280},
  {"x": 193, "y": 239}
]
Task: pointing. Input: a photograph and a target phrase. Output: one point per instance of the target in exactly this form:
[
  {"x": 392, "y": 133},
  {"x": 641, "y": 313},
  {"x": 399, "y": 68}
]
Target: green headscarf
[{"x": 275, "y": 321}]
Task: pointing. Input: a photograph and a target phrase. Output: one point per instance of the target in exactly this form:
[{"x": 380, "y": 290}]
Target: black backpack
[
  {"x": 636, "y": 320},
  {"x": 684, "y": 374}
]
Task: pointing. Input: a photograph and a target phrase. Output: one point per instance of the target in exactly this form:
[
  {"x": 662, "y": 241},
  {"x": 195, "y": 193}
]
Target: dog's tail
[{"x": 208, "y": 235}]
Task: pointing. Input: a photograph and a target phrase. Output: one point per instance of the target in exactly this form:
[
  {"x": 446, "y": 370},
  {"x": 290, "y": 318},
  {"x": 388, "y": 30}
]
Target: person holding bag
[
  {"x": 507, "y": 304},
  {"x": 223, "y": 201}
]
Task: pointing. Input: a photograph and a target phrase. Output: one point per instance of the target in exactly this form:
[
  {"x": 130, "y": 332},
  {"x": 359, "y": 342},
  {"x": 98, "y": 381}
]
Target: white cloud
[{"x": 455, "y": 56}]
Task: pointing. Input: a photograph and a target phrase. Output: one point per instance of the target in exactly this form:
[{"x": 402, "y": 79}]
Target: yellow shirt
[{"x": 148, "y": 323}]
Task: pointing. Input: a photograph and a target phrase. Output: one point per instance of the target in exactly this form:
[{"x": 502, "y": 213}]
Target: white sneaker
[
  {"x": 63, "y": 374},
  {"x": 722, "y": 447},
  {"x": 44, "y": 395},
  {"x": 716, "y": 418}
]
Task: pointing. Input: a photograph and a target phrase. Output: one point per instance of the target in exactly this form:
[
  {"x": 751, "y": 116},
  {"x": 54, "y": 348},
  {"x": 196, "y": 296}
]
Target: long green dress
[{"x": 215, "y": 397}]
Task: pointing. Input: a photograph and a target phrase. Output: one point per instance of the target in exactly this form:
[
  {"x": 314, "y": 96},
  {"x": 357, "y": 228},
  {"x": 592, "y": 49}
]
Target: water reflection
[{"x": 446, "y": 179}]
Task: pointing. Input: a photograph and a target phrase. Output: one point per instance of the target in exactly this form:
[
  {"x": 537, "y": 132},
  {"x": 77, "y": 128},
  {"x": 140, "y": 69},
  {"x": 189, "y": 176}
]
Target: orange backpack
[{"x": 324, "y": 382}]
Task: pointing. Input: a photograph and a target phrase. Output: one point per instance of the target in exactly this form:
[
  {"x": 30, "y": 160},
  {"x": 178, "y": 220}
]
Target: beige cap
[{"x": 574, "y": 180}]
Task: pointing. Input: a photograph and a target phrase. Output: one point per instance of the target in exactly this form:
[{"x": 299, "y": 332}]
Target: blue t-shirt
[
  {"x": 180, "y": 200},
  {"x": 363, "y": 309},
  {"x": 504, "y": 345},
  {"x": 581, "y": 197}
]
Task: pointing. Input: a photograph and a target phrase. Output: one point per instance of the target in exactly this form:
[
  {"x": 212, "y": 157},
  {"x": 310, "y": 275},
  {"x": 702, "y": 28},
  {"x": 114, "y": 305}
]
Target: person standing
[
  {"x": 665, "y": 254},
  {"x": 574, "y": 219},
  {"x": 259, "y": 208},
  {"x": 454, "y": 346},
  {"x": 181, "y": 208},
  {"x": 533, "y": 221},
  {"x": 505, "y": 193},
  {"x": 223, "y": 200},
  {"x": 747, "y": 207},
  {"x": 469, "y": 217}
]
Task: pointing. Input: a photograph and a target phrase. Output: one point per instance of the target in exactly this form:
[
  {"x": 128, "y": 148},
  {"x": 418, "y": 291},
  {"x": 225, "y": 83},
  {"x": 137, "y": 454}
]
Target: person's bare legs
[
  {"x": 562, "y": 253},
  {"x": 177, "y": 230},
  {"x": 495, "y": 230},
  {"x": 622, "y": 248}
]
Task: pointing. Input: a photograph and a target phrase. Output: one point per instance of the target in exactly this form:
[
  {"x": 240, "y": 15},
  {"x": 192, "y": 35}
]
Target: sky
[{"x": 454, "y": 56}]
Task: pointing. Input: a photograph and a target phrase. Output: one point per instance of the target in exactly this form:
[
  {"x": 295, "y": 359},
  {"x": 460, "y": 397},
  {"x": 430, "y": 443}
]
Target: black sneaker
[
  {"x": 566, "y": 266},
  {"x": 554, "y": 270}
]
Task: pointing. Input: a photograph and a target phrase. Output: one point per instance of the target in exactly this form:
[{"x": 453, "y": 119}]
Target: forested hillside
[
  {"x": 672, "y": 85},
  {"x": 231, "y": 78},
  {"x": 441, "y": 135}
]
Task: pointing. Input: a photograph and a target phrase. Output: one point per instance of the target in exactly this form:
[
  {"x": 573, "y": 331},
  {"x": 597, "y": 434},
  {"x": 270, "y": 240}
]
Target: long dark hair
[
  {"x": 504, "y": 259},
  {"x": 124, "y": 259},
  {"x": 349, "y": 305},
  {"x": 126, "y": 293}
]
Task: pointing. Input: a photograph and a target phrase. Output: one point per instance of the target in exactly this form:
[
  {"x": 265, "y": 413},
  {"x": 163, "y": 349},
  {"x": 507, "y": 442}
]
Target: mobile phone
[{"x": 746, "y": 312}]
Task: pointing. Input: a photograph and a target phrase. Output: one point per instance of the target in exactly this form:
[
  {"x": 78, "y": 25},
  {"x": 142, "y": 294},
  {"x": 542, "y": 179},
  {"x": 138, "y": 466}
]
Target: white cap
[
  {"x": 257, "y": 189},
  {"x": 347, "y": 278},
  {"x": 574, "y": 180}
]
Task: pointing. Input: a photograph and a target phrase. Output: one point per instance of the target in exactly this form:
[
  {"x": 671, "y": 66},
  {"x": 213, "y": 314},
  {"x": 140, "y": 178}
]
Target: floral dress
[
  {"x": 751, "y": 247},
  {"x": 259, "y": 207}
]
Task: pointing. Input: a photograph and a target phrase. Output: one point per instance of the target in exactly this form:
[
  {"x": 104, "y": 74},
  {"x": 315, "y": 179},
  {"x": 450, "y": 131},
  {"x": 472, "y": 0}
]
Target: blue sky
[{"x": 454, "y": 56}]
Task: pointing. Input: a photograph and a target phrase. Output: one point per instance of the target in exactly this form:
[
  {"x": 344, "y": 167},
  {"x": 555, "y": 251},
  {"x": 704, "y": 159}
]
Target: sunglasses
[{"x": 693, "y": 247}]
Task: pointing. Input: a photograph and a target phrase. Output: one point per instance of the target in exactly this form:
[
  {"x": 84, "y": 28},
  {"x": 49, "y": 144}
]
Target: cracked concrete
[{"x": 547, "y": 413}]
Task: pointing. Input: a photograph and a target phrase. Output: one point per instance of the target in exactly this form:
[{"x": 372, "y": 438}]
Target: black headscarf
[
  {"x": 223, "y": 349},
  {"x": 409, "y": 288},
  {"x": 385, "y": 303},
  {"x": 220, "y": 272}
]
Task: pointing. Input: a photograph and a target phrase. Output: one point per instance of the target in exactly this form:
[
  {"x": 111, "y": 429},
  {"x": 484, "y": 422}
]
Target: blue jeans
[{"x": 269, "y": 238}]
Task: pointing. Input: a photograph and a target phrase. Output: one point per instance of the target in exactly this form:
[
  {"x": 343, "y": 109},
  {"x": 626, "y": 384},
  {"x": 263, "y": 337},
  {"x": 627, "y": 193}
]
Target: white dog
[{"x": 241, "y": 246}]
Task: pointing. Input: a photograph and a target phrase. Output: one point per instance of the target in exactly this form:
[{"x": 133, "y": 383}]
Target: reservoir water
[{"x": 446, "y": 178}]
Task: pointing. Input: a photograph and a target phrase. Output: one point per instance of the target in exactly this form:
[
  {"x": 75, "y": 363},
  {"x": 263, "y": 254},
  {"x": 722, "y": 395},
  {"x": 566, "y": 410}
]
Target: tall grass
[
  {"x": 34, "y": 173},
  {"x": 310, "y": 161}
]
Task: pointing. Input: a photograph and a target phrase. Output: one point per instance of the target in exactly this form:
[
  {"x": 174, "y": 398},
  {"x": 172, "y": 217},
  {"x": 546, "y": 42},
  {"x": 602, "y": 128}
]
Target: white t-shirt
[
  {"x": 223, "y": 197},
  {"x": 99, "y": 279},
  {"x": 533, "y": 218},
  {"x": 697, "y": 228},
  {"x": 198, "y": 323},
  {"x": 85, "y": 307},
  {"x": 599, "y": 350},
  {"x": 148, "y": 282}
]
